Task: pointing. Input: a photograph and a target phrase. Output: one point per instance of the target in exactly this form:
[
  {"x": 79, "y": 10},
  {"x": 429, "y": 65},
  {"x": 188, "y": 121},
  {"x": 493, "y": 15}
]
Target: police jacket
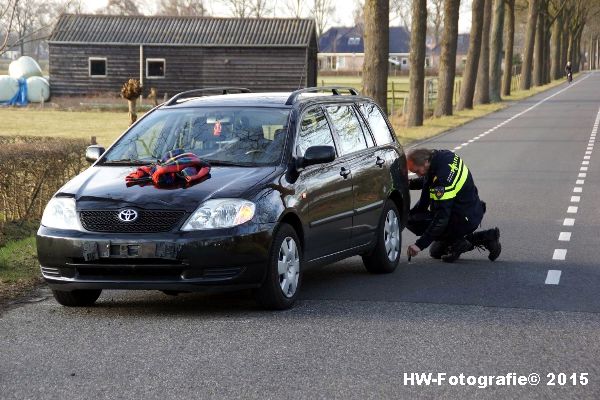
[{"x": 449, "y": 192}]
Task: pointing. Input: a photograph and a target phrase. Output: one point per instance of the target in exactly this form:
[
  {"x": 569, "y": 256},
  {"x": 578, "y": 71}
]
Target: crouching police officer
[{"x": 449, "y": 209}]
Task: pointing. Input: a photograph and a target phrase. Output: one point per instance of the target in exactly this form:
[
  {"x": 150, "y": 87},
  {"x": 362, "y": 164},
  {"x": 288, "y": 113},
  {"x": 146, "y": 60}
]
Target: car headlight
[
  {"x": 60, "y": 213},
  {"x": 220, "y": 213}
]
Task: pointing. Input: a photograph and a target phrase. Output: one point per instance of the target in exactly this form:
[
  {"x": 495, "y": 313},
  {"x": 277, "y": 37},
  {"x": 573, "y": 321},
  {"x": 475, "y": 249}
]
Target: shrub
[{"x": 32, "y": 169}]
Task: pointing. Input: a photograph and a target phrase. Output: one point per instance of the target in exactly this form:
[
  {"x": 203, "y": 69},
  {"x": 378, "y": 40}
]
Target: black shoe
[
  {"x": 493, "y": 244},
  {"x": 456, "y": 249}
]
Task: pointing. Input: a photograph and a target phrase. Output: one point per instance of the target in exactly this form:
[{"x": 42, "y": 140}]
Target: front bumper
[{"x": 179, "y": 261}]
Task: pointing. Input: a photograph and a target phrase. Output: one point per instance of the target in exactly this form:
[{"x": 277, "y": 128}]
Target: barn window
[
  {"x": 155, "y": 68},
  {"x": 97, "y": 67}
]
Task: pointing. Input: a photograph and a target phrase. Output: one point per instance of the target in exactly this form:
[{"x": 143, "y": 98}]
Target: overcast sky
[{"x": 341, "y": 17}]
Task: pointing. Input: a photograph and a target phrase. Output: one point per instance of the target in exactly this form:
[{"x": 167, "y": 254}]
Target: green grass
[
  {"x": 106, "y": 126},
  {"x": 18, "y": 261},
  {"x": 434, "y": 126}
]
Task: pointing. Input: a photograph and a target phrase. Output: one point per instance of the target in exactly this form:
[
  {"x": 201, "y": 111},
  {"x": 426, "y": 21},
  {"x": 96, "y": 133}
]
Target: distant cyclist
[{"x": 569, "y": 71}]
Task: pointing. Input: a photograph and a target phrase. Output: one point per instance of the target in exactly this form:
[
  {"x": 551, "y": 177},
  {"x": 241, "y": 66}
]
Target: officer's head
[{"x": 419, "y": 160}]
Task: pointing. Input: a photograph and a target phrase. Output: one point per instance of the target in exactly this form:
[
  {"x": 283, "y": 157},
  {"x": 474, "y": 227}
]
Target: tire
[
  {"x": 385, "y": 256},
  {"x": 280, "y": 289},
  {"x": 77, "y": 298}
]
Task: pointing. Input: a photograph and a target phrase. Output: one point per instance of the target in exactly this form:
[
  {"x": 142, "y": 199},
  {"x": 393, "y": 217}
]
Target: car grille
[{"x": 148, "y": 221}]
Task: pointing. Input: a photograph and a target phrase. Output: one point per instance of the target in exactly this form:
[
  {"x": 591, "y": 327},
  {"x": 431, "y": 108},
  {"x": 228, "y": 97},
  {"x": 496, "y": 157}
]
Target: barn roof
[{"x": 192, "y": 31}]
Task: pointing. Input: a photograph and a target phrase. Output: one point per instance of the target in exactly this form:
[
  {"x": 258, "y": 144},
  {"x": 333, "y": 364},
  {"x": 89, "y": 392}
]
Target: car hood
[{"x": 104, "y": 186}]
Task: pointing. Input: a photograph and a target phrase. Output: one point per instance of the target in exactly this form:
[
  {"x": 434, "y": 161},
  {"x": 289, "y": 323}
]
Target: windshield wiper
[
  {"x": 228, "y": 163},
  {"x": 127, "y": 161}
]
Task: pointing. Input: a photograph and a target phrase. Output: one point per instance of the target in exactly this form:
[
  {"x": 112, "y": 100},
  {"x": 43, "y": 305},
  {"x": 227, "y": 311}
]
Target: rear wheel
[
  {"x": 280, "y": 288},
  {"x": 386, "y": 254},
  {"x": 77, "y": 298}
]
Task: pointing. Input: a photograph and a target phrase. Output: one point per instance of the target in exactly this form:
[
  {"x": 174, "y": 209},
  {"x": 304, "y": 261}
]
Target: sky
[{"x": 341, "y": 17}]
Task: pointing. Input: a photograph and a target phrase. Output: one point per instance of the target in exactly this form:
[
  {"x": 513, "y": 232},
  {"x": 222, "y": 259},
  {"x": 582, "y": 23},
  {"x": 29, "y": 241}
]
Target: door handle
[
  {"x": 380, "y": 161},
  {"x": 345, "y": 172}
]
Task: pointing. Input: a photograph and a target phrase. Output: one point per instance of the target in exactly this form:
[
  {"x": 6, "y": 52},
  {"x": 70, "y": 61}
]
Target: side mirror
[
  {"x": 93, "y": 153},
  {"x": 317, "y": 155}
]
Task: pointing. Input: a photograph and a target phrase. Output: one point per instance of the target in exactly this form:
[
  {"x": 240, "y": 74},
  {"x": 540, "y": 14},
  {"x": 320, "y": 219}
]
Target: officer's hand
[{"x": 413, "y": 250}]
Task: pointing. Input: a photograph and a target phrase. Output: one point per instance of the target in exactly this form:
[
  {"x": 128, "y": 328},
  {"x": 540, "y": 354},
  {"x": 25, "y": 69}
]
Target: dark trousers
[{"x": 457, "y": 228}]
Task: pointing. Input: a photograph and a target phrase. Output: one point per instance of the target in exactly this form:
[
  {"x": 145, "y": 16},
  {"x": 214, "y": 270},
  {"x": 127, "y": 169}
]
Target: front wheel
[
  {"x": 280, "y": 288},
  {"x": 385, "y": 256},
  {"x": 77, "y": 298}
]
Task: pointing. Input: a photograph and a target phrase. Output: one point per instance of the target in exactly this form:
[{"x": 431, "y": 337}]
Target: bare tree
[
  {"x": 509, "y": 47},
  {"x": 529, "y": 44},
  {"x": 447, "y": 69},
  {"x": 540, "y": 34},
  {"x": 295, "y": 7},
  {"x": 376, "y": 37},
  {"x": 321, "y": 12},
  {"x": 555, "y": 68},
  {"x": 7, "y": 11},
  {"x": 121, "y": 7},
  {"x": 470, "y": 73},
  {"x": 417, "y": 63},
  {"x": 239, "y": 8},
  {"x": 435, "y": 15},
  {"x": 402, "y": 10},
  {"x": 182, "y": 8},
  {"x": 482, "y": 89},
  {"x": 261, "y": 8},
  {"x": 496, "y": 51}
]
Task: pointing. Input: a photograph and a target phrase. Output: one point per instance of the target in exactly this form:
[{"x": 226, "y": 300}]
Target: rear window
[{"x": 379, "y": 127}]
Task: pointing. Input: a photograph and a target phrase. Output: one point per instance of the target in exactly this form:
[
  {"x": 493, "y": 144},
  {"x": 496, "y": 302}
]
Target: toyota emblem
[{"x": 128, "y": 215}]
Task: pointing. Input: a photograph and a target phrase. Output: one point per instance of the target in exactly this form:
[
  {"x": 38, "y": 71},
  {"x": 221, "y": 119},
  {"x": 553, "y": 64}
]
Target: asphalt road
[{"x": 355, "y": 335}]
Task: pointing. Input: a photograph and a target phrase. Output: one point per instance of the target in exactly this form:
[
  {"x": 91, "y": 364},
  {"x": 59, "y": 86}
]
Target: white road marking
[
  {"x": 465, "y": 144},
  {"x": 588, "y": 152},
  {"x": 572, "y": 210},
  {"x": 569, "y": 222},
  {"x": 575, "y": 199},
  {"x": 582, "y": 175},
  {"x": 564, "y": 236},
  {"x": 553, "y": 277},
  {"x": 583, "y": 168},
  {"x": 579, "y": 182},
  {"x": 559, "y": 254},
  {"x": 586, "y": 157},
  {"x": 577, "y": 190},
  {"x": 585, "y": 163}
]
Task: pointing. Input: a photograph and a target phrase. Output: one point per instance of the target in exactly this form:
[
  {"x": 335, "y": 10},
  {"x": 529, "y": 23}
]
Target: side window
[
  {"x": 314, "y": 131},
  {"x": 348, "y": 129},
  {"x": 379, "y": 127},
  {"x": 365, "y": 130}
]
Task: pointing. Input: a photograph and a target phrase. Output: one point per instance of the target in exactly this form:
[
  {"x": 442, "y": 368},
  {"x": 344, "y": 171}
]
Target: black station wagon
[{"x": 296, "y": 180}]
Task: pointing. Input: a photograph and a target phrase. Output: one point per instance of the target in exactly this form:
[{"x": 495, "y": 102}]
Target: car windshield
[{"x": 228, "y": 135}]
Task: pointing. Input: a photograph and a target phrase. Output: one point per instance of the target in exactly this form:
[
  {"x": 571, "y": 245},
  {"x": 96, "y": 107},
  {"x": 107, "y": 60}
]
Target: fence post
[{"x": 393, "y": 96}]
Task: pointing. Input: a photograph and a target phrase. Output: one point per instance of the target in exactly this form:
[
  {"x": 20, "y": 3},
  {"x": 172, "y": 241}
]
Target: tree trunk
[
  {"x": 564, "y": 47},
  {"x": 508, "y": 49},
  {"x": 482, "y": 89},
  {"x": 529, "y": 42},
  {"x": 417, "y": 62},
  {"x": 470, "y": 71},
  {"x": 376, "y": 42},
  {"x": 447, "y": 68},
  {"x": 132, "y": 111},
  {"x": 546, "y": 66},
  {"x": 556, "y": 52},
  {"x": 538, "y": 61},
  {"x": 496, "y": 51}
]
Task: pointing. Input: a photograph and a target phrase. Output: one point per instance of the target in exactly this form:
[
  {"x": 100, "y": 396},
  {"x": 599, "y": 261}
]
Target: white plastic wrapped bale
[
  {"x": 38, "y": 88},
  {"x": 24, "y": 67},
  {"x": 8, "y": 87}
]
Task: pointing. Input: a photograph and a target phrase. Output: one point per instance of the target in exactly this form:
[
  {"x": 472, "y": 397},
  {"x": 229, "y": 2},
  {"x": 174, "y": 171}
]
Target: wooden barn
[{"x": 96, "y": 54}]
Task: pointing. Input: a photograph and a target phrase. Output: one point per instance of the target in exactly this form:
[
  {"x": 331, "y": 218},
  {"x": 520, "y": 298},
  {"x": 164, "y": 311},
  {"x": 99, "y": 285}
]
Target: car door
[
  {"x": 356, "y": 148},
  {"x": 327, "y": 188}
]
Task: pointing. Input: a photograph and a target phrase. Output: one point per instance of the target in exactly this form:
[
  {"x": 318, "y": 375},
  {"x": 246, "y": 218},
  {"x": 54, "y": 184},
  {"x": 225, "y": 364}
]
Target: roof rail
[
  {"x": 223, "y": 90},
  {"x": 335, "y": 90}
]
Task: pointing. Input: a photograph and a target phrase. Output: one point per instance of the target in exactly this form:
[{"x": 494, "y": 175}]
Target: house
[
  {"x": 342, "y": 48},
  {"x": 92, "y": 54},
  {"x": 462, "y": 49}
]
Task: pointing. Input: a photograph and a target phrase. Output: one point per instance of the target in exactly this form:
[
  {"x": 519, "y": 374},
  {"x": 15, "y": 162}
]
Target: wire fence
[{"x": 398, "y": 92}]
